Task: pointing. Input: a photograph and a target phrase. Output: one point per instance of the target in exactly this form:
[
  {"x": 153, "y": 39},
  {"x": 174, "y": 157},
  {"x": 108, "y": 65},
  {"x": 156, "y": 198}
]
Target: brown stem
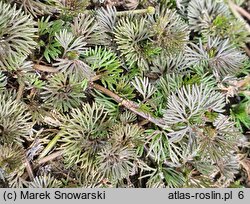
[
  {"x": 143, "y": 122},
  {"x": 126, "y": 103},
  {"x": 45, "y": 68},
  {"x": 20, "y": 91},
  {"x": 117, "y": 98},
  {"x": 29, "y": 169},
  {"x": 50, "y": 157},
  {"x": 247, "y": 51},
  {"x": 29, "y": 172},
  {"x": 130, "y": 105},
  {"x": 243, "y": 12},
  {"x": 96, "y": 77}
]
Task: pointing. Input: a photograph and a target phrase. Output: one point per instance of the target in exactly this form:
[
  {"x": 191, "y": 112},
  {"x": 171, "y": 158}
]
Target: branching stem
[
  {"x": 45, "y": 68},
  {"x": 130, "y": 105}
]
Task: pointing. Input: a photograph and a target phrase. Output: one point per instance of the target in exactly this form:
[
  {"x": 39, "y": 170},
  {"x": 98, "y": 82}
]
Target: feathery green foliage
[
  {"x": 73, "y": 48},
  {"x": 85, "y": 134},
  {"x": 16, "y": 36},
  {"x": 106, "y": 21},
  {"x": 14, "y": 119},
  {"x": 169, "y": 30},
  {"x": 105, "y": 64},
  {"x": 212, "y": 18},
  {"x": 132, "y": 36},
  {"x": 202, "y": 13},
  {"x": 70, "y": 8},
  {"x": 240, "y": 113},
  {"x": 45, "y": 181},
  {"x": 11, "y": 162},
  {"x": 3, "y": 81},
  {"x": 48, "y": 44},
  {"x": 86, "y": 26},
  {"x": 34, "y": 7},
  {"x": 63, "y": 92},
  {"x": 217, "y": 56}
]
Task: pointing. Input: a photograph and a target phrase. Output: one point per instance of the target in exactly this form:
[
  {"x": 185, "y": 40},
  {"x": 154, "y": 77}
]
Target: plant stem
[
  {"x": 129, "y": 105},
  {"x": 247, "y": 51},
  {"x": 96, "y": 77},
  {"x": 29, "y": 169},
  {"x": 149, "y": 10},
  {"x": 243, "y": 12},
  {"x": 51, "y": 144},
  {"x": 20, "y": 90},
  {"x": 132, "y": 106},
  {"x": 143, "y": 122},
  {"x": 50, "y": 157},
  {"x": 45, "y": 68},
  {"x": 40, "y": 161}
]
